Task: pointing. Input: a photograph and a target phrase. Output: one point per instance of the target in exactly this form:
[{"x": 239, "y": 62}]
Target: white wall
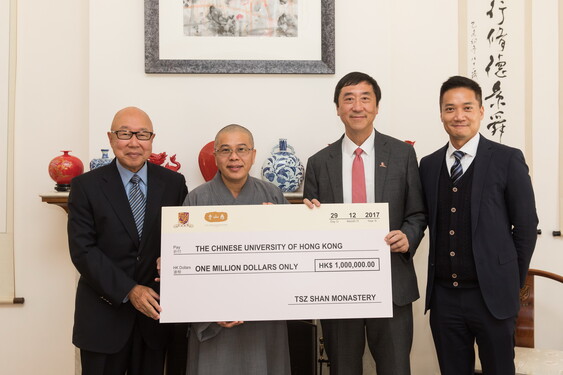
[
  {"x": 79, "y": 62},
  {"x": 51, "y": 115},
  {"x": 391, "y": 42},
  {"x": 547, "y": 127}
]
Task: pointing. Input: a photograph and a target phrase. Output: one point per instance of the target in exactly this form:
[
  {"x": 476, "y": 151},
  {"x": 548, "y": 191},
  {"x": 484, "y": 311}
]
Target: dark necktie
[
  {"x": 457, "y": 170},
  {"x": 137, "y": 202},
  {"x": 358, "y": 178}
]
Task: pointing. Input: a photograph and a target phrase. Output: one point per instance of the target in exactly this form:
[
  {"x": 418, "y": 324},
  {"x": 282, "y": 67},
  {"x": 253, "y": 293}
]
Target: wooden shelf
[{"x": 58, "y": 199}]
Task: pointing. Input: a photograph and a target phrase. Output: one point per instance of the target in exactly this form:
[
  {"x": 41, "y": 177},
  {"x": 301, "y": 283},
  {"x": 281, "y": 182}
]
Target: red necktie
[{"x": 358, "y": 178}]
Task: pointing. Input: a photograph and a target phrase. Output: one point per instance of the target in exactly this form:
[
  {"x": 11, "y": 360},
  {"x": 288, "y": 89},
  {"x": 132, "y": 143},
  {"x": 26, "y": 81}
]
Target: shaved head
[{"x": 234, "y": 128}]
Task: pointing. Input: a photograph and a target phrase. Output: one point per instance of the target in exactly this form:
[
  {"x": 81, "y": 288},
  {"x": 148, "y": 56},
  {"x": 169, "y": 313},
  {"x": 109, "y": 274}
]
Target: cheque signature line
[{"x": 332, "y": 303}]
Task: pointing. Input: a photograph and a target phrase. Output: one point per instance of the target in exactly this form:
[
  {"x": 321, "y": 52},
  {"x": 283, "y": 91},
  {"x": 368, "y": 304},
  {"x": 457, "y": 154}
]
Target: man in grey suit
[{"x": 390, "y": 175}]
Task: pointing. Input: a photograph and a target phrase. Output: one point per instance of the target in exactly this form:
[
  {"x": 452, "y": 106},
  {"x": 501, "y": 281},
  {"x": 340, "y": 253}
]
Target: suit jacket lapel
[
  {"x": 113, "y": 189},
  {"x": 484, "y": 153},
  {"x": 382, "y": 154},
  {"x": 155, "y": 190},
  {"x": 434, "y": 176},
  {"x": 334, "y": 167}
]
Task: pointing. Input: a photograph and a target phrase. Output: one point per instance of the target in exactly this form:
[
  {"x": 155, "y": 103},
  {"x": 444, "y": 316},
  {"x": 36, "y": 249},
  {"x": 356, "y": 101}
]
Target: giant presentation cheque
[{"x": 275, "y": 262}]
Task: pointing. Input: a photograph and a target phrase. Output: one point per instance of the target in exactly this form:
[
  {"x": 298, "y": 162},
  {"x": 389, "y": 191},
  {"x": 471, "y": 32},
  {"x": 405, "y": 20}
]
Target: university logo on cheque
[{"x": 183, "y": 218}]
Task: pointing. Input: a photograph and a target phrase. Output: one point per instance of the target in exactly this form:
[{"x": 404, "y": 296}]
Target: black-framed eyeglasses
[
  {"x": 125, "y": 135},
  {"x": 227, "y": 151}
]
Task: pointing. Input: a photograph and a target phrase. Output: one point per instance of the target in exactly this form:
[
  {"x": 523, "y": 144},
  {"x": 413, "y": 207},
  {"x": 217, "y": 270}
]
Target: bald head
[
  {"x": 233, "y": 128},
  {"x": 131, "y": 115},
  {"x": 131, "y": 152},
  {"x": 234, "y": 156}
]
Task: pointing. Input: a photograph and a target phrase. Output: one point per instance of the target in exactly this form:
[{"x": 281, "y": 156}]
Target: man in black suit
[
  {"x": 390, "y": 175},
  {"x": 483, "y": 229},
  {"x": 115, "y": 247}
]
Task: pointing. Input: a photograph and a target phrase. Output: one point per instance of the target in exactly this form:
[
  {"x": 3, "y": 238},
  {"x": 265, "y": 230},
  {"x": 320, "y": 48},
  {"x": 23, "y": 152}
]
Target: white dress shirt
[
  {"x": 470, "y": 149},
  {"x": 368, "y": 157}
]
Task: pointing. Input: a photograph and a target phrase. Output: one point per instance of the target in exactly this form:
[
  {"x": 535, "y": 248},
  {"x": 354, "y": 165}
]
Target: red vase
[
  {"x": 64, "y": 168},
  {"x": 206, "y": 160}
]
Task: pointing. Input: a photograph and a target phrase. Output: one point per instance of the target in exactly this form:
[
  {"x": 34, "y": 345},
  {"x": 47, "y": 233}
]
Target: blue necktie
[
  {"x": 457, "y": 171},
  {"x": 138, "y": 203}
]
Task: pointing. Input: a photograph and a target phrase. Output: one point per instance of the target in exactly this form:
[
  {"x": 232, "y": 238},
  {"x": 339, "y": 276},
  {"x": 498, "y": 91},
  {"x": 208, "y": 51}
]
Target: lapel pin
[{"x": 382, "y": 165}]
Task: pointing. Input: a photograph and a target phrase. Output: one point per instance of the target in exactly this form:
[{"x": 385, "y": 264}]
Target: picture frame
[{"x": 154, "y": 64}]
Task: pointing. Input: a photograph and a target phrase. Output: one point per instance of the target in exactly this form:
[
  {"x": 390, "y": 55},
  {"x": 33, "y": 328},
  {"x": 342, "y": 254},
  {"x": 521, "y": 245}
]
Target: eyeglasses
[
  {"x": 226, "y": 151},
  {"x": 125, "y": 135}
]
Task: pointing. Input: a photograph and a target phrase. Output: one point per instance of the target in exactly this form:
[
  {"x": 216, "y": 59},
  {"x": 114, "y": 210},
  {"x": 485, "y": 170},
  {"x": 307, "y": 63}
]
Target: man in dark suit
[
  {"x": 390, "y": 175},
  {"x": 483, "y": 229},
  {"x": 114, "y": 239}
]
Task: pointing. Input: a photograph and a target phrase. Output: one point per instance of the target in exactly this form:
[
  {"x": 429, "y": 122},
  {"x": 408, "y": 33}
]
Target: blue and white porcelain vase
[
  {"x": 104, "y": 160},
  {"x": 283, "y": 168}
]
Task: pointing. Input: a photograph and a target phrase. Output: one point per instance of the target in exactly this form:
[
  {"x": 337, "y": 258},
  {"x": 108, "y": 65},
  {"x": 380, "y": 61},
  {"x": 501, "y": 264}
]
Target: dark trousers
[
  {"x": 458, "y": 318},
  {"x": 135, "y": 358},
  {"x": 389, "y": 341}
]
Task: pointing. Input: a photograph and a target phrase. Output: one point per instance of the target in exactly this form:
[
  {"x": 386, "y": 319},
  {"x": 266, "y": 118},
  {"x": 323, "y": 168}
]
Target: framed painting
[{"x": 239, "y": 36}]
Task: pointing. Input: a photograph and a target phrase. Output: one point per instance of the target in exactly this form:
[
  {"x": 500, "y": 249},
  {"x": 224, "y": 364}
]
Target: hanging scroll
[
  {"x": 7, "y": 40},
  {"x": 494, "y": 44}
]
